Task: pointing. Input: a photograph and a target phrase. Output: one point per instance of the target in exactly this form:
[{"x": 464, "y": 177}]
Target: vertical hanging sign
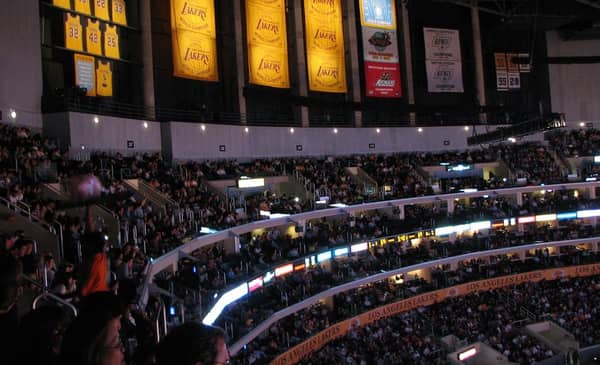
[
  {"x": 380, "y": 48},
  {"x": 325, "y": 45},
  {"x": 266, "y": 37},
  {"x": 443, "y": 60},
  {"x": 194, "y": 38}
]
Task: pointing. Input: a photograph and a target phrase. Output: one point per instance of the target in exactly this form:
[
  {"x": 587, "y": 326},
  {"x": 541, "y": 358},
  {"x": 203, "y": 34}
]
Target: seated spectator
[
  {"x": 193, "y": 344},
  {"x": 93, "y": 338}
]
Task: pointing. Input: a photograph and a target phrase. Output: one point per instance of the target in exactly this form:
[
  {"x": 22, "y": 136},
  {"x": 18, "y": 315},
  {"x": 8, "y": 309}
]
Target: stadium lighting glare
[
  {"x": 203, "y": 127},
  {"x": 378, "y": 130},
  {"x": 246, "y": 130},
  {"x": 335, "y": 130},
  {"x": 420, "y": 130},
  {"x": 145, "y": 125},
  {"x": 13, "y": 114},
  {"x": 96, "y": 120},
  {"x": 292, "y": 130}
]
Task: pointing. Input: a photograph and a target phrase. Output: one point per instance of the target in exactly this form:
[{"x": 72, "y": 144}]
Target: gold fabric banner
[
  {"x": 193, "y": 33},
  {"x": 101, "y": 9},
  {"x": 93, "y": 37},
  {"x": 104, "y": 83},
  {"x": 300, "y": 351},
  {"x": 111, "y": 42},
  {"x": 266, "y": 36},
  {"x": 83, "y": 6},
  {"x": 73, "y": 33},
  {"x": 119, "y": 13},
  {"x": 325, "y": 45},
  {"x": 65, "y": 4}
]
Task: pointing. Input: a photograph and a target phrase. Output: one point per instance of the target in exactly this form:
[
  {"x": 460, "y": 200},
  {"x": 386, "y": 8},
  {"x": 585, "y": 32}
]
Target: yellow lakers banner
[
  {"x": 66, "y": 4},
  {"x": 298, "y": 352},
  {"x": 193, "y": 34},
  {"x": 266, "y": 36},
  {"x": 325, "y": 45},
  {"x": 73, "y": 33},
  {"x": 101, "y": 9},
  {"x": 83, "y": 6}
]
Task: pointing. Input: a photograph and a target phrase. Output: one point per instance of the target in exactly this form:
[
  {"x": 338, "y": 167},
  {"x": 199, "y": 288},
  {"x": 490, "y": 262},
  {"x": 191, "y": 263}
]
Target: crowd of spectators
[
  {"x": 414, "y": 337},
  {"x": 146, "y": 230}
]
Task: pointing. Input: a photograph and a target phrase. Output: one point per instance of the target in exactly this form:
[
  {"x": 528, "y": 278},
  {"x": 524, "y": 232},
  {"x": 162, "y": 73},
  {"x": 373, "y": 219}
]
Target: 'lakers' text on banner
[
  {"x": 193, "y": 33},
  {"x": 266, "y": 37},
  {"x": 325, "y": 45}
]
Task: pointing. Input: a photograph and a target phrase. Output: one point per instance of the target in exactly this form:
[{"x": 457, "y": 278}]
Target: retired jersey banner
[
  {"x": 65, "y": 4},
  {"x": 104, "y": 83},
  {"x": 501, "y": 71},
  {"x": 119, "y": 13},
  {"x": 266, "y": 37},
  {"x": 85, "y": 75},
  {"x": 325, "y": 45},
  {"x": 73, "y": 33},
  {"x": 383, "y": 79},
  {"x": 93, "y": 37},
  {"x": 378, "y": 13},
  {"x": 83, "y": 6},
  {"x": 101, "y": 9},
  {"x": 380, "y": 49},
  {"x": 193, "y": 34},
  {"x": 443, "y": 60}
]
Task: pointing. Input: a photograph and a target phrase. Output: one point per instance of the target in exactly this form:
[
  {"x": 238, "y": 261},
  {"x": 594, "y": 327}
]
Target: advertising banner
[
  {"x": 266, "y": 37},
  {"x": 378, "y": 13},
  {"x": 193, "y": 33},
  {"x": 85, "y": 76},
  {"x": 383, "y": 79},
  {"x": 380, "y": 45},
  {"x": 443, "y": 60},
  {"x": 325, "y": 45}
]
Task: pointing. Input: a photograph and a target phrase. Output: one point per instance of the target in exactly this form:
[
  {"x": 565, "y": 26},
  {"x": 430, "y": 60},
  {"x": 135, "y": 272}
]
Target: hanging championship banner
[
  {"x": 378, "y": 14},
  {"x": 193, "y": 34},
  {"x": 501, "y": 71},
  {"x": 380, "y": 49},
  {"x": 325, "y": 45},
  {"x": 514, "y": 80},
  {"x": 119, "y": 14},
  {"x": 101, "y": 9},
  {"x": 104, "y": 79},
  {"x": 443, "y": 60},
  {"x": 65, "y": 4},
  {"x": 73, "y": 33},
  {"x": 83, "y": 6},
  {"x": 93, "y": 37},
  {"x": 266, "y": 37},
  {"x": 84, "y": 73},
  {"x": 525, "y": 67}
]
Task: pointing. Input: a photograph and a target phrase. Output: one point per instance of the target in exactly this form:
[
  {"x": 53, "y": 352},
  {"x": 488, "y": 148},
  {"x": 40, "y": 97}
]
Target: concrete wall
[
  {"x": 21, "y": 62},
  {"x": 574, "y": 88}
]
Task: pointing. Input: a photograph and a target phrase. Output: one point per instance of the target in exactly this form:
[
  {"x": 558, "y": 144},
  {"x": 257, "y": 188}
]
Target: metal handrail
[
  {"x": 162, "y": 311},
  {"x": 55, "y": 298}
]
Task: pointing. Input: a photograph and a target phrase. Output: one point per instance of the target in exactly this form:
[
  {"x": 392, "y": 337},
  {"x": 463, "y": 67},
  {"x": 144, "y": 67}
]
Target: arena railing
[
  {"x": 283, "y": 313},
  {"x": 171, "y": 259}
]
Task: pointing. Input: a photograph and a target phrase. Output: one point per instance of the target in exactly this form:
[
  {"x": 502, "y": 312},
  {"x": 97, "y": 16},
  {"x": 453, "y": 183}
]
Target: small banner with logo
[
  {"x": 193, "y": 34},
  {"x": 443, "y": 60},
  {"x": 266, "y": 36},
  {"x": 380, "y": 48}
]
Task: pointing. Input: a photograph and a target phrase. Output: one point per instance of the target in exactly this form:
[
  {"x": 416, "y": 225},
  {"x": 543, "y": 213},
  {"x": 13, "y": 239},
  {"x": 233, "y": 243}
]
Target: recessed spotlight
[
  {"x": 13, "y": 114},
  {"x": 420, "y": 130},
  {"x": 512, "y": 139},
  {"x": 246, "y": 130},
  {"x": 582, "y": 124},
  {"x": 96, "y": 120},
  {"x": 335, "y": 130},
  {"x": 466, "y": 128},
  {"x": 146, "y": 125},
  {"x": 292, "y": 130},
  {"x": 83, "y": 147},
  {"x": 203, "y": 127},
  {"x": 378, "y": 130}
]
